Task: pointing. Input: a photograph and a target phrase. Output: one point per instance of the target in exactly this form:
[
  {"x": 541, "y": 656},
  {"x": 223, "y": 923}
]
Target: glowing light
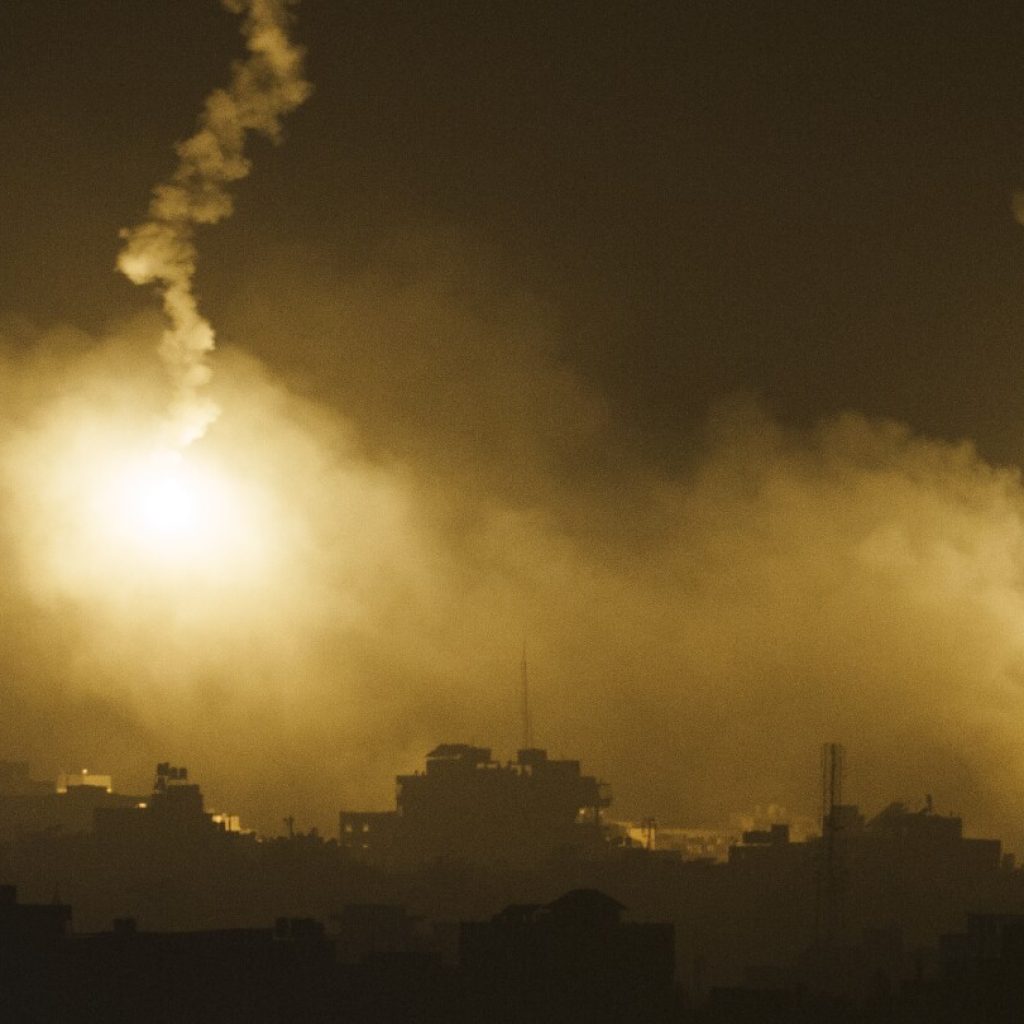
[
  {"x": 117, "y": 517},
  {"x": 164, "y": 504},
  {"x": 160, "y": 505},
  {"x": 83, "y": 779},
  {"x": 165, "y": 510}
]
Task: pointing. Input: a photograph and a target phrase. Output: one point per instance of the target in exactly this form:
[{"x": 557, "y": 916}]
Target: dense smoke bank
[{"x": 693, "y": 641}]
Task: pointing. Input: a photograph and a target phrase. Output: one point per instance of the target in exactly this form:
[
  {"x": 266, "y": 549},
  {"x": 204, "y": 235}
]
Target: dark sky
[
  {"x": 808, "y": 201},
  {"x": 585, "y": 321}
]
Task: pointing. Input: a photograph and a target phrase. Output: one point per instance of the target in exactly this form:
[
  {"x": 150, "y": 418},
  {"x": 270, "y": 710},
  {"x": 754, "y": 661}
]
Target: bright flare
[
  {"x": 176, "y": 514},
  {"x": 159, "y": 506}
]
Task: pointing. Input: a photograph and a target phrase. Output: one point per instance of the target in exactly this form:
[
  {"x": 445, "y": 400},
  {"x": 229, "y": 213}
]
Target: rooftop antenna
[{"x": 525, "y": 682}]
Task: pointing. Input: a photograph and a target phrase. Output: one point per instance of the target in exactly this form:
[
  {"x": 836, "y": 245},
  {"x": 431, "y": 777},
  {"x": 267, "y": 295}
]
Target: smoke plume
[
  {"x": 694, "y": 635},
  {"x": 264, "y": 87}
]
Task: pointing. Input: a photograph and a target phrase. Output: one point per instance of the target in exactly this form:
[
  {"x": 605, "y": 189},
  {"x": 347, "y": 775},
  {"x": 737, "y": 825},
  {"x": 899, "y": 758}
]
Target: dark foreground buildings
[
  {"x": 574, "y": 959},
  {"x": 898, "y": 916}
]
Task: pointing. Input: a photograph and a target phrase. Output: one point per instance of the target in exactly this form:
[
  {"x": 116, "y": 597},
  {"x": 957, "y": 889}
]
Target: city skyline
[{"x": 490, "y": 892}]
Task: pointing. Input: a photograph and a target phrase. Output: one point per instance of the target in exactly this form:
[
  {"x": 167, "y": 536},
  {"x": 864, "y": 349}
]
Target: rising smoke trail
[{"x": 264, "y": 87}]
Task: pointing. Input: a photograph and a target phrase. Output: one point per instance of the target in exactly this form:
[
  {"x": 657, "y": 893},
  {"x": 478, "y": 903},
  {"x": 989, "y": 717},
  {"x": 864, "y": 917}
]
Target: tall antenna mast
[
  {"x": 525, "y": 683},
  {"x": 833, "y": 758},
  {"x": 831, "y": 874}
]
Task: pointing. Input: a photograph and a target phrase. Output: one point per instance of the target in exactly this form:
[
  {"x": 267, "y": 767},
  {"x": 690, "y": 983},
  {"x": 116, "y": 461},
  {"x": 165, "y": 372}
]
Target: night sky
[{"x": 650, "y": 332}]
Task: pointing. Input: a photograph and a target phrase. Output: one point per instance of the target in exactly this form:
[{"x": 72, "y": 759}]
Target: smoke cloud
[
  {"x": 694, "y": 635},
  {"x": 427, "y": 474},
  {"x": 264, "y": 87}
]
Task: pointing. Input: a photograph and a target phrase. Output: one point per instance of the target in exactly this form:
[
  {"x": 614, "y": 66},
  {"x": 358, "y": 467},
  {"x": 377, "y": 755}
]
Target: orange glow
[
  {"x": 164, "y": 509},
  {"x": 120, "y": 516},
  {"x": 174, "y": 514}
]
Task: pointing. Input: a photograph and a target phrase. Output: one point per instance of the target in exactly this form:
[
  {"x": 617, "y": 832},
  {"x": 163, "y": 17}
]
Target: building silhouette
[
  {"x": 66, "y": 806},
  {"x": 574, "y": 958},
  {"x": 571, "y": 959},
  {"x": 466, "y": 806},
  {"x": 33, "y": 941},
  {"x": 916, "y": 902}
]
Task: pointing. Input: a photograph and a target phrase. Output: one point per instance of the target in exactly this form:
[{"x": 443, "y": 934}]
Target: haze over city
[{"x": 681, "y": 343}]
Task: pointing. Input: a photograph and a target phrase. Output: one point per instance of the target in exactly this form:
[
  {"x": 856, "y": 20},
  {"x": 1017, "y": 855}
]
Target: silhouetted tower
[
  {"x": 833, "y": 757},
  {"x": 524, "y": 679},
  {"x": 830, "y": 874}
]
